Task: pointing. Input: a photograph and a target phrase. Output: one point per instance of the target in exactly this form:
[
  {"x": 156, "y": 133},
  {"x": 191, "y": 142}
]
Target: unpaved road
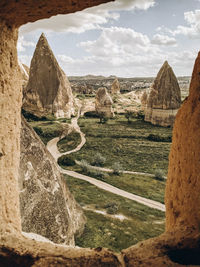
[
  {"x": 110, "y": 188},
  {"x": 52, "y": 144}
]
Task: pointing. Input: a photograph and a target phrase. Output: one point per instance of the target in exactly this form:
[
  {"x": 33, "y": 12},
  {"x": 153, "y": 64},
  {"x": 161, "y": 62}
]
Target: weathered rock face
[
  {"x": 103, "y": 104},
  {"x": 164, "y": 98},
  {"x": 48, "y": 90},
  {"x": 182, "y": 197},
  {"x": 47, "y": 207},
  {"x": 115, "y": 87}
]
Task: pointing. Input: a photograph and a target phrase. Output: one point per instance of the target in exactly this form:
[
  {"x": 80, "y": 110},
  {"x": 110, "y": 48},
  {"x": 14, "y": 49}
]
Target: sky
[{"x": 126, "y": 38}]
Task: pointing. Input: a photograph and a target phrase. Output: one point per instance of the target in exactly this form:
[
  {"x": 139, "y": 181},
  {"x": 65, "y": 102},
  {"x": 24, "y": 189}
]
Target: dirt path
[
  {"x": 52, "y": 144},
  {"x": 110, "y": 188}
]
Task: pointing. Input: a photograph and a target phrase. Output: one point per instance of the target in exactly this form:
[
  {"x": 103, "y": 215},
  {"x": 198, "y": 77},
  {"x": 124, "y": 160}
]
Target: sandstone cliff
[
  {"x": 115, "y": 87},
  {"x": 48, "y": 90},
  {"x": 103, "y": 104},
  {"x": 164, "y": 98},
  {"x": 47, "y": 207}
]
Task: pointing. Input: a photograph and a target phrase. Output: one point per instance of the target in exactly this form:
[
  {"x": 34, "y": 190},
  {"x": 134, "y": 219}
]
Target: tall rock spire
[
  {"x": 48, "y": 90},
  {"x": 164, "y": 98}
]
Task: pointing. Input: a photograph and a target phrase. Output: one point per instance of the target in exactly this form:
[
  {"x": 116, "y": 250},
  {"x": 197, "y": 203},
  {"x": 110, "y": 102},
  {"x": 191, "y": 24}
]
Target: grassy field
[
  {"x": 141, "y": 223},
  {"x": 125, "y": 143},
  {"x": 148, "y": 187}
]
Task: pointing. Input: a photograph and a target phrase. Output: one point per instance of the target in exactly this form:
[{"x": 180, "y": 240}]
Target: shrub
[
  {"x": 91, "y": 114},
  {"x": 140, "y": 115},
  {"x": 84, "y": 165},
  {"x": 111, "y": 208},
  {"x": 66, "y": 160},
  {"x": 159, "y": 175},
  {"x": 158, "y": 138},
  {"x": 99, "y": 160},
  {"x": 116, "y": 167},
  {"x": 38, "y": 130}
]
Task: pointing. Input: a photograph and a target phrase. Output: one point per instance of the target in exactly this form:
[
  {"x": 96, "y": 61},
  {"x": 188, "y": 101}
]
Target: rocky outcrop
[
  {"x": 115, "y": 87},
  {"x": 48, "y": 90},
  {"x": 183, "y": 184},
  {"x": 47, "y": 207},
  {"x": 164, "y": 98},
  {"x": 103, "y": 104}
]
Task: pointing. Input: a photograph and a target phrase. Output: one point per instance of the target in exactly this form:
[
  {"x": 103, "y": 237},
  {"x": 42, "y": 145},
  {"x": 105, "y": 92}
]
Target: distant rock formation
[
  {"x": 47, "y": 207},
  {"x": 144, "y": 100},
  {"x": 48, "y": 90},
  {"x": 164, "y": 98},
  {"x": 115, "y": 88},
  {"x": 103, "y": 104}
]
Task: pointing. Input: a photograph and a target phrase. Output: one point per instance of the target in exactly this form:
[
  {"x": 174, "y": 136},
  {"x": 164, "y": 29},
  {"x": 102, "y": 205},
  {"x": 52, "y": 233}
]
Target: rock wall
[
  {"x": 47, "y": 207},
  {"x": 182, "y": 196},
  {"x": 48, "y": 90},
  {"x": 10, "y": 109}
]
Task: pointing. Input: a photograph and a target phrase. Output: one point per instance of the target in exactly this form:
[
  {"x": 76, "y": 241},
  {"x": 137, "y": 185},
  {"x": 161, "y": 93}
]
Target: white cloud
[
  {"x": 160, "y": 39},
  {"x": 22, "y": 44},
  {"x": 193, "y": 29},
  {"x": 88, "y": 19},
  {"x": 125, "y": 52}
]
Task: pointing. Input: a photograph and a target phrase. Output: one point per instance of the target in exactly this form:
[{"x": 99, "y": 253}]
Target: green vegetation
[
  {"x": 69, "y": 142},
  {"x": 144, "y": 186},
  {"x": 66, "y": 160},
  {"x": 105, "y": 231},
  {"x": 127, "y": 144},
  {"x": 159, "y": 175},
  {"x": 47, "y": 129}
]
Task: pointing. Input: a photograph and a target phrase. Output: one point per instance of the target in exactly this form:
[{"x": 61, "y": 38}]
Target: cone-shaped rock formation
[
  {"x": 47, "y": 207},
  {"x": 104, "y": 103},
  {"x": 48, "y": 90},
  {"x": 115, "y": 87},
  {"x": 164, "y": 98}
]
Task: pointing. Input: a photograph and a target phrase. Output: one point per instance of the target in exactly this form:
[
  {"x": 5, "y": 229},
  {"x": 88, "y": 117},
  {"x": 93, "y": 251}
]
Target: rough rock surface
[
  {"x": 48, "y": 90},
  {"x": 164, "y": 95},
  {"x": 103, "y": 104},
  {"x": 115, "y": 87},
  {"x": 182, "y": 197},
  {"x": 17, "y": 13},
  {"x": 144, "y": 100},
  {"x": 47, "y": 207}
]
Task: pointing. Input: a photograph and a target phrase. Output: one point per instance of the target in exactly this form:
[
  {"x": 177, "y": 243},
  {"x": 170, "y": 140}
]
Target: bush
[
  {"x": 91, "y": 114},
  {"x": 116, "y": 167},
  {"x": 111, "y": 208},
  {"x": 84, "y": 165},
  {"x": 158, "y": 138},
  {"x": 159, "y": 175},
  {"x": 66, "y": 160},
  {"x": 99, "y": 160}
]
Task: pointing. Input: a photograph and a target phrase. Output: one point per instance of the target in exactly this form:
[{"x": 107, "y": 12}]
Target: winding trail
[
  {"x": 52, "y": 144},
  {"x": 52, "y": 147}
]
